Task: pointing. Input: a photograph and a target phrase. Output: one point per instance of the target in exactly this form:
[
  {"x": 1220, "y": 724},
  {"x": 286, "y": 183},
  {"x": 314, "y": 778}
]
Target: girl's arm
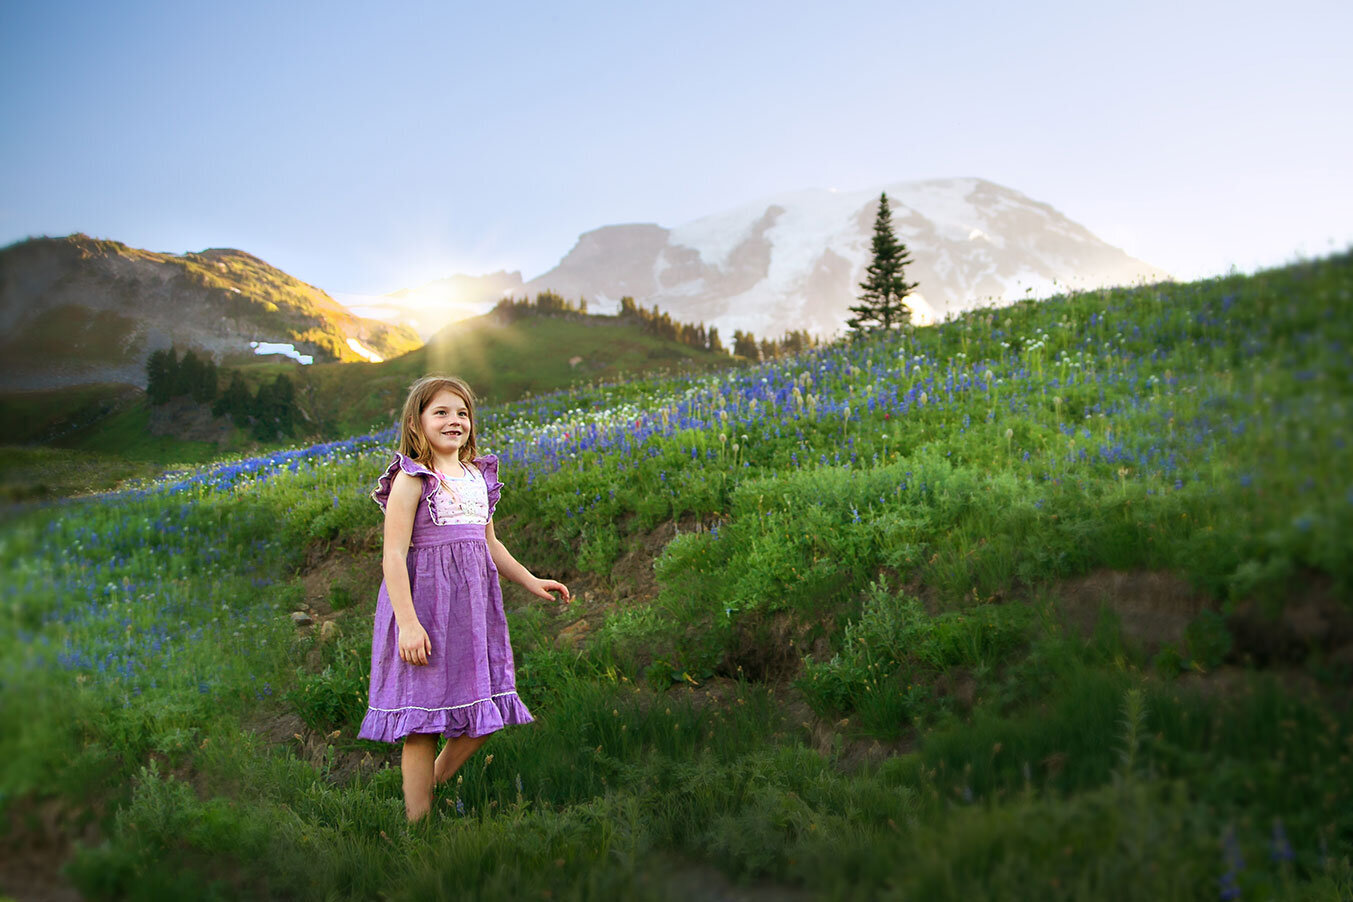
[
  {"x": 405, "y": 493},
  {"x": 509, "y": 567}
]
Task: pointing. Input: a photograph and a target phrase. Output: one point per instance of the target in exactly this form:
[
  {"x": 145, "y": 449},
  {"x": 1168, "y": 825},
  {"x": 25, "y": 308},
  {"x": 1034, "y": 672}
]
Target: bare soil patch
[
  {"x": 1232, "y": 681},
  {"x": 186, "y": 419},
  {"x": 1313, "y": 618},
  {"x": 1154, "y": 607},
  {"x": 325, "y": 752},
  {"x": 630, "y": 582},
  {"x": 37, "y": 843},
  {"x": 771, "y": 648}
]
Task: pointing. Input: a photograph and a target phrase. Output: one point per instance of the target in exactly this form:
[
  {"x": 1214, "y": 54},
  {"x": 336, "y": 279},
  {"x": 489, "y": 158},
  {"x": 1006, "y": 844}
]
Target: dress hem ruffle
[{"x": 477, "y": 719}]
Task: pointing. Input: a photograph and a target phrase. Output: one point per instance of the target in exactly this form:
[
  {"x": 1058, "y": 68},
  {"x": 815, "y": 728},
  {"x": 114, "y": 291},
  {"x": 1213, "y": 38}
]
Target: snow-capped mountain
[{"x": 794, "y": 260}]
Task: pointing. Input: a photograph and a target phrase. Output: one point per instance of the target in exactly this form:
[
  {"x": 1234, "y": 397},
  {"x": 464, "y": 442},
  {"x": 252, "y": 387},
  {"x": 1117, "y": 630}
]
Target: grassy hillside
[
  {"x": 102, "y": 306},
  {"x": 502, "y": 363},
  {"x": 73, "y": 333},
  {"x": 1050, "y": 602},
  {"x": 266, "y": 295}
]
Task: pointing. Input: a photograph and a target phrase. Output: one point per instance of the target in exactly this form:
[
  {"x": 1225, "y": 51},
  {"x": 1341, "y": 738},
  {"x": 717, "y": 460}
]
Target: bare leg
[
  {"x": 416, "y": 764},
  {"x": 457, "y": 751}
]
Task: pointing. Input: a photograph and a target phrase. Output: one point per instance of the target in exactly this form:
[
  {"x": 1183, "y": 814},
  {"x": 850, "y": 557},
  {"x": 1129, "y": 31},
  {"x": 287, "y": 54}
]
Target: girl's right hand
[{"x": 414, "y": 644}]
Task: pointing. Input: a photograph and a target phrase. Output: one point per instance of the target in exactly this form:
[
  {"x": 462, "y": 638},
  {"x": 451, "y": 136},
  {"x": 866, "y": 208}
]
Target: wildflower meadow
[{"x": 1048, "y": 601}]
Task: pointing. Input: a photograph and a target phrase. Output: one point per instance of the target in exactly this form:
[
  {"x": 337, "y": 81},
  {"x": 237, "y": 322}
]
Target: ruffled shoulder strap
[
  {"x": 488, "y": 465},
  {"x": 381, "y": 494}
]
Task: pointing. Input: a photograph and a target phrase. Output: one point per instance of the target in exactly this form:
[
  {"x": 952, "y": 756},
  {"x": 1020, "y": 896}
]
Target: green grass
[
  {"x": 502, "y": 364},
  {"x": 38, "y": 474},
  {"x": 127, "y": 435},
  {"x": 851, "y": 679},
  {"x": 33, "y": 417}
]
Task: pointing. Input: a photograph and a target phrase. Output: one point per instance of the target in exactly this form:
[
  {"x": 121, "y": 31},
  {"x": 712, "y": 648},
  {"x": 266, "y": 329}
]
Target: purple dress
[{"x": 468, "y": 687}]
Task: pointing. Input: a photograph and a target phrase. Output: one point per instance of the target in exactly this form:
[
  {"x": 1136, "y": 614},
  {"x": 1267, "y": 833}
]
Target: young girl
[{"x": 441, "y": 662}]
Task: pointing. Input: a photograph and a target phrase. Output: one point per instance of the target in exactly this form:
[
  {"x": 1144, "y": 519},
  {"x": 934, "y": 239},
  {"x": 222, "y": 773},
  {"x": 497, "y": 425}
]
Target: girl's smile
[{"x": 446, "y": 423}]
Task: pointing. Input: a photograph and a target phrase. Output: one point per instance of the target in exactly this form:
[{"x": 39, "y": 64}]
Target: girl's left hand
[{"x": 543, "y": 587}]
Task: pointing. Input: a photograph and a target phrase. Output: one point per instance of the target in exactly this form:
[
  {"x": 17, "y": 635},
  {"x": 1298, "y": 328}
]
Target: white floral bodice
[{"x": 462, "y": 499}]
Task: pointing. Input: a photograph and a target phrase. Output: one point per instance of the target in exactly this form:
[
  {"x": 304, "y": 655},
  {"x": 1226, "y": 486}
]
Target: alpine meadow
[{"x": 1046, "y": 601}]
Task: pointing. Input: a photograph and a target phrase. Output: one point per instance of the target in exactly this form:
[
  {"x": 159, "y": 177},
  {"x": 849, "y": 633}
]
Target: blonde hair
[{"x": 412, "y": 442}]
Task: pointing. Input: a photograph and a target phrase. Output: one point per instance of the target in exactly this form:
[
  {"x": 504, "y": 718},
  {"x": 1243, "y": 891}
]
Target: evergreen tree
[
  {"x": 284, "y": 399},
  {"x": 881, "y": 305},
  {"x": 188, "y": 376},
  {"x": 181, "y": 372},
  {"x": 550, "y": 302},
  {"x": 234, "y": 401},
  {"x": 714, "y": 343},
  {"x": 259, "y": 408},
  {"x": 274, "y": 409},
  {"x": 744, "y": 345},
  {"x": 204, "y": 389},
  {"x": 160, "y": 368}
]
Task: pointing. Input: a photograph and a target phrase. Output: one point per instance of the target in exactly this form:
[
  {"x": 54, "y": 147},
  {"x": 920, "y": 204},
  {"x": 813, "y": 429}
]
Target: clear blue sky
[{"x": 365, "y": 147}]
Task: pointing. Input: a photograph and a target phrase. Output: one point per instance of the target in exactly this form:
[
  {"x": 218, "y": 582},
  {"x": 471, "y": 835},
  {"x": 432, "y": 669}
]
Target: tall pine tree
[
  {"x": 274, "y": 409},
  {"x": 881, "y": 305},
  {"x": 161, "y": 368},
  {"x": 234, "y": 402}
]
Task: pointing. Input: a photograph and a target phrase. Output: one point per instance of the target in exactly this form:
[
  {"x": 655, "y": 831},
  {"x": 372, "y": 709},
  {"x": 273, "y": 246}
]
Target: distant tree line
[
  {"x": 745, "y": 344},
  {"x": 791, "y": 343},
  {"x": 169, "y": 377},
  {"x": 548, "y": 303},
  {"x": 656, "y": 322},
  {"x": 659, "y": 323},
  {"x": 269, "y": 412}
]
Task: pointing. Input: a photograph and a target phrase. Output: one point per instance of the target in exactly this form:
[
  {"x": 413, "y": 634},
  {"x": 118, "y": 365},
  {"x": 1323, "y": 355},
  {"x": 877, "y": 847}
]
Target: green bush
[
  {"x": 1208, "y": 640},
  {"x": 336, "y": 697},
  {"x": 893, "y": 651}
]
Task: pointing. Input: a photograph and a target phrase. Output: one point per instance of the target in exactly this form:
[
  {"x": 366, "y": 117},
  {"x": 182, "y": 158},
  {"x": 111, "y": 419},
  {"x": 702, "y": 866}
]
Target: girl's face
[{"x": 446, "y": 423}]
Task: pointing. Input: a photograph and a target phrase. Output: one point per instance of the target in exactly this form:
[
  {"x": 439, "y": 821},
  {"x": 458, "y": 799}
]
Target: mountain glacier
[{"x": 794, "y": 260}]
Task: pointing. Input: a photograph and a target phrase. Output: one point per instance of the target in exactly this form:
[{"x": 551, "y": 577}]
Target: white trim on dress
[{"x": 448, "y": 707}]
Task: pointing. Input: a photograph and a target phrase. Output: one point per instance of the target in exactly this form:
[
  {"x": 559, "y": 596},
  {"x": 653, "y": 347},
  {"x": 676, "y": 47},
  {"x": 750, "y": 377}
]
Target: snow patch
[
  {"x": 276, "y": 347},
  {"x": 364, "y": 352},
  {"x": 714, "y": 237},
  {"x": 603, "y": 304}
]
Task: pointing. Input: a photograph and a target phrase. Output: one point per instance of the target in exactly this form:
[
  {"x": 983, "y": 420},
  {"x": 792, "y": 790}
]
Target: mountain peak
[
  {"x": 78, "y": 309},
  {"x": 793, "y": 260}
]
